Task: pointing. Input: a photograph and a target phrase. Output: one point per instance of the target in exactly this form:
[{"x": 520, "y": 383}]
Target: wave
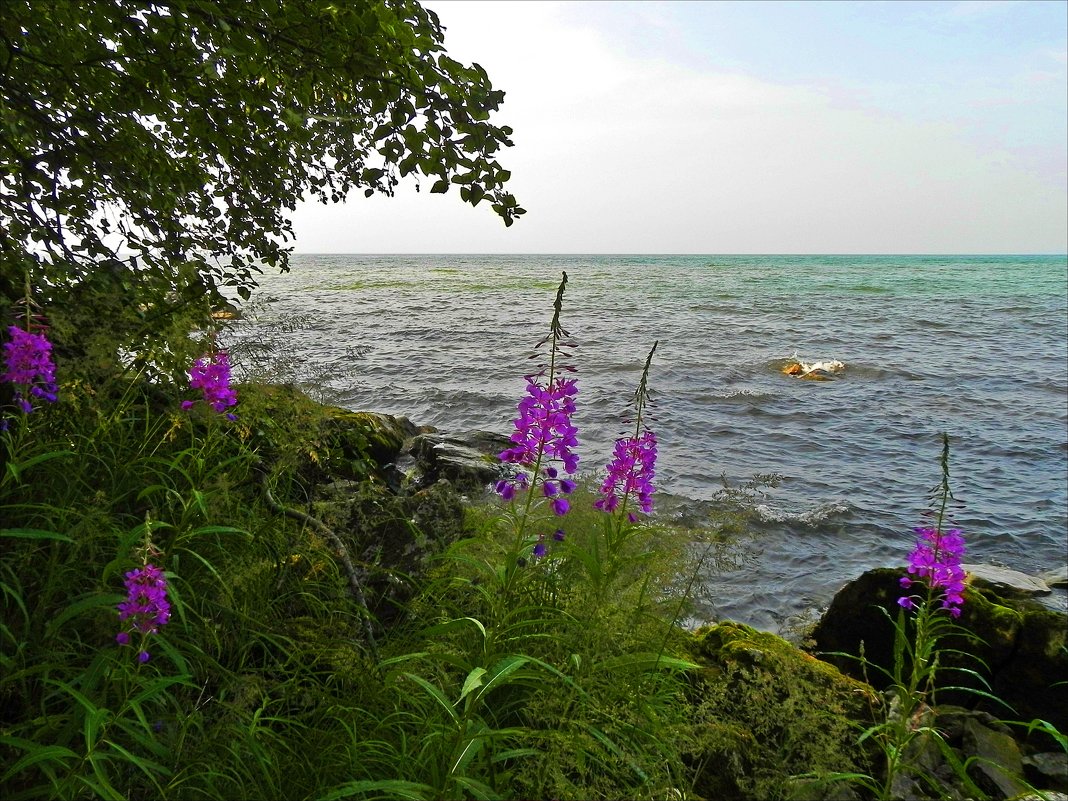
[{"x": 814, "y": 516}]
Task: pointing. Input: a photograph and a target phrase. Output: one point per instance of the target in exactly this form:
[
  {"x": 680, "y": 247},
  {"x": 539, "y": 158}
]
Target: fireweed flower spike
[
  {"x": 633, "y": 466},
  {"x": 545, "y": 439},
  {"x": 937, "y": 558},
  {"x": 211, "y": 375},
  {"x": 28, "y": 364},
  {"x": 145, "y": 608}
]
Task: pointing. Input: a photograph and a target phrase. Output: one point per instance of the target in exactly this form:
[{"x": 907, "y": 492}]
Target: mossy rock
[
  {"x": 322, "y": 443},
  {"x": 765, "y": 711},
  {"x": 381, "y": 436},
  {"x": 1017, "y": 646}
]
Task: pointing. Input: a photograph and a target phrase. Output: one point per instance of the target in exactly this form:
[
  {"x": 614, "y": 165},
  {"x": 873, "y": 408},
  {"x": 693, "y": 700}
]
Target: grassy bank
[{"x": 443, "y": 657}]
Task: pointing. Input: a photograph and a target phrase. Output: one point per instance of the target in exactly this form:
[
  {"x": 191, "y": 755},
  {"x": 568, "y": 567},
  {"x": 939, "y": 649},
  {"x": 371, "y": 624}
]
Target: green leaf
[
  {"x": 501, "y": 671},
  {"x": 472, "y": 682},
  {"x": 440, "y": 187},
  {"x": 34, "y": 534},
  {"x": 89, "y": 603},
  {"x": 453, "y": 625},
  {"x": 382, "y": 789},
  {"x": 436, "y": 694},
  {"x": 37, "y": 753}
]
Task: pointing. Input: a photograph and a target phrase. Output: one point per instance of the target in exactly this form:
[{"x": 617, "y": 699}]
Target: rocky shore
[{"x": 764, "y": 708}]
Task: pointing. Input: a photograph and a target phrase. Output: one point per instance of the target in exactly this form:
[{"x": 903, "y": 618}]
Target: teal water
[{"x": 973, "y": 345}]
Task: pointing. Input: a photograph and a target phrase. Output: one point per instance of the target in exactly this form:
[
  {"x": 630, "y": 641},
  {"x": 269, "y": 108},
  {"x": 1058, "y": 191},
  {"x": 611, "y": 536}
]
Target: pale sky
[{"x": 749, "y": 127}]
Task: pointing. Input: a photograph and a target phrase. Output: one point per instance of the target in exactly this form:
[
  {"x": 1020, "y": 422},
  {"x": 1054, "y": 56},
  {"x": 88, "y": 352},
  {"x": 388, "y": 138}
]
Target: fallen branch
[{"x": 342, "y": 553}]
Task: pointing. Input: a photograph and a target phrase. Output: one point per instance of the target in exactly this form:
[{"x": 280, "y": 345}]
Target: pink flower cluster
[
  {"x": 630, "y": 473},
  {"x": 544, "y": 435},
  {"x": 937, "y": 558},
  {"x": 145, "y": 608},
  {"x": 28, "y": 363},
  {"x": 211, "y": 375}
]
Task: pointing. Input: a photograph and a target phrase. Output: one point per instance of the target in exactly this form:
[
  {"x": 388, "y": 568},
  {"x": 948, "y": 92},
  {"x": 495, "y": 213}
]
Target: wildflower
[
  {"x": 28, "y": 363},
  {"x": 211, "y": 375},
  {"x": 541, "y": 548},
  {"x": 936, "y": 557},
  {"x": 145, "y": 608},
  {"x": 544, "y": 435},
  {"x": 630, "y": 473}
]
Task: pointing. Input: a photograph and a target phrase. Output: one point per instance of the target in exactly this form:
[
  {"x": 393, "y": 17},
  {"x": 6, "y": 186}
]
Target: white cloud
[{"x": 618, "y": 153}]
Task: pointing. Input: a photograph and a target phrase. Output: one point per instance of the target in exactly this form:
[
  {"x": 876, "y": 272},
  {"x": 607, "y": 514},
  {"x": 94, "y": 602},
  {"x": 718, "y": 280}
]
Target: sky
[{"x": 751, "y": 127}]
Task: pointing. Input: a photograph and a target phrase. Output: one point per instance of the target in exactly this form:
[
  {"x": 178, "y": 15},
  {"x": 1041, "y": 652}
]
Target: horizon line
[{"x": 658, "y": 253}]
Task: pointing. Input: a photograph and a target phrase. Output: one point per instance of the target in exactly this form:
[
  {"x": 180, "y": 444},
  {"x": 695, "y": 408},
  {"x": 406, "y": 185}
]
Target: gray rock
[
  {"x": 469, "y": 460},
  {"x": 999, "y": 759},
  {"x": 1049, "y": 769},
  {"x": 1005, "y": 582},
  {"x": 1056, "y": 578}
]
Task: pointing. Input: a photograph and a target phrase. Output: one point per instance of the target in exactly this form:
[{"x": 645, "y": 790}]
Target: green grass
[{"x": 504, "y": 677}]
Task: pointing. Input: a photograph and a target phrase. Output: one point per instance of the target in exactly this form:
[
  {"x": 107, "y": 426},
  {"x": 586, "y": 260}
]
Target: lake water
[{"x": 976, "y": 346}]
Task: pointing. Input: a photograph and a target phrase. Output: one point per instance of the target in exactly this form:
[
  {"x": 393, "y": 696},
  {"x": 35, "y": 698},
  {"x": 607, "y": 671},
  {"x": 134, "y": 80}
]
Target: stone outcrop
[
  {"x": 1006, "y": 582},
  {"x": 1018, "y": 649},
  {"x": 766, "y": 713},
  {"x": 468, "y": 460}
]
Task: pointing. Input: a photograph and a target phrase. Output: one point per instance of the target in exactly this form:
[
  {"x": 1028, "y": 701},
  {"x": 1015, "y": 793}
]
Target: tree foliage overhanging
[{"x": 151, "y": 150}]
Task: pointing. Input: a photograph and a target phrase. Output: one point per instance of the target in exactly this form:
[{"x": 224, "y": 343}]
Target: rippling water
[{"x": 976, "y": 346}]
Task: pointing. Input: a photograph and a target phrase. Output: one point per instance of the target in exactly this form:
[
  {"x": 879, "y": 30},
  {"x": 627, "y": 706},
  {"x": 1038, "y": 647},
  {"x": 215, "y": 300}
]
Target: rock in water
[
  {"x": 1005, "y": 582},
  {"x": 1020, "y": 648}
]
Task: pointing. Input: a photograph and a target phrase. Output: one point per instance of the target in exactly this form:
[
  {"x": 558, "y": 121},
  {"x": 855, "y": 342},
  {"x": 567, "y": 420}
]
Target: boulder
[
  {"x": 469, "y": 460},
  {"x": 1016, "y": 646},
  {"x": 998, "y": 765},
  {"x": 766, "y": 712},
  {"x": 394, "y": 537},
  {"x": 1056, "y": 578},
  {"x": 1047, "y": 769},
  {"x": 1005, "y": 582}
]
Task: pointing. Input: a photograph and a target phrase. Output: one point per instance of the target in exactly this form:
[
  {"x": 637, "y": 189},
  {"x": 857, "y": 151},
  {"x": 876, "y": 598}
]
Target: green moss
[
  {"x": 767, "y": 712},
  {"x": 289, "y": 429}
]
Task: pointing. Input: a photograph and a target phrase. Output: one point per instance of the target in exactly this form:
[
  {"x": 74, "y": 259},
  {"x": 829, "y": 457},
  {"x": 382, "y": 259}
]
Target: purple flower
[
  {"x": 145, "y": 608},
  {"x": 539, "y": 550},
  {"x": 936, "y": 557},
  {"x": 211, "y": 375},
  {"x": 558, "y": 535},
  {"x": 544, "y": 435},
  {"x": 28, "y": 363},
  {"x": 560, "y": 506},
  {"x": 630, "y": 473}
]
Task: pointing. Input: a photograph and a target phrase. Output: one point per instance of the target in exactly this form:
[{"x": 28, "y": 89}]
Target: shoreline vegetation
[
  {"x": 304, "y": 618},
  {"x": 216, "y": 590}
]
